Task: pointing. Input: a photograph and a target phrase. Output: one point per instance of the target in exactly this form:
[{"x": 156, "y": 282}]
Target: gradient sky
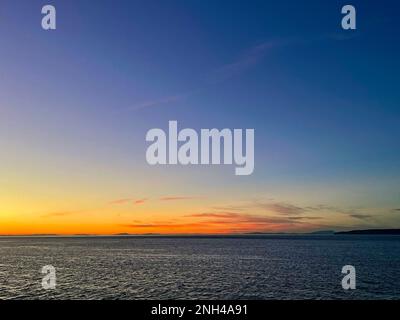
[{"x": 76, "y": 103}]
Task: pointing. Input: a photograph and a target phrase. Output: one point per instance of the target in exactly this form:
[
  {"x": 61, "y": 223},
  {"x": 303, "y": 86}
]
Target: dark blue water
[{"x": 272, "y": 267}]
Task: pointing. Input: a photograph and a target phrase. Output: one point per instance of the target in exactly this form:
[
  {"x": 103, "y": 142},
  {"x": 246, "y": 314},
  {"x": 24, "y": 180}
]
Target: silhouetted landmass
[
  {"x": 31, "y": 235},
  {"x": 373, "y": 231},
  {"x": 135, "y": 234},
  {"x": 323, "y": 232},
  {"x": 250, "y": 235},
  {"x": 260, "y": 233}
]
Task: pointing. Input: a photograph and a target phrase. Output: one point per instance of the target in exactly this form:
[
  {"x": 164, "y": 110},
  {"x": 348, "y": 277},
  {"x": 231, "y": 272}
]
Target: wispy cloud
[
  {"x": 305, "y": 218},
  {"x": 251, "y": 57},
  {"x": 243, "y": 217},
  {"x": 247, "y": 59},
  {"x": 252, "y": 222},
  {"x": 160, "y": 101},
  {"x": 282, "y": 208},
  {"x": 258, "y": 216},
  {"x": 140, "y": 201},
  {"x": 361, "y": 216},
  {"x": 297, "y": 212},
  {"x": 214, "y": 215},
  {"x": 128, "y": 200},
  {"x": 270, "y": 206},
  {"x": 58, "y": 214},
  {"x": 177, "y": 198},
  {"x": 120, "y": 201},
  {"x": 343, "y": 36},
  {"x": 162, "y": 225}
]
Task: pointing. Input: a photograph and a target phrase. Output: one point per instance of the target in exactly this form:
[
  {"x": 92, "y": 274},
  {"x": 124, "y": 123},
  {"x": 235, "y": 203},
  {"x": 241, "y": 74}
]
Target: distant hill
[
  {"x": 373, "y": 231},
  {"x": 322, "y": 232},
  {"x": 261, "y": 233}
]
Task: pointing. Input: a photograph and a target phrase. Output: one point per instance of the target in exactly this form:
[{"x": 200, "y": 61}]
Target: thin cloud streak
[
  {"x": 128, "y": 200},
  {"x": 160, "y": 101},
  {"x": 58, "y": 214},
  {"x": 120, "y": 201},
  {"x": 177, "y": 198},
  {"x": 140, "y": 201},
  {"x": 250, "y": 58},
  {"x": 361, "y": 216}
]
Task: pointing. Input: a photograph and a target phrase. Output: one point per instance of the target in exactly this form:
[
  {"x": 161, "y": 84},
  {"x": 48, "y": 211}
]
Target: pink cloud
[
  {"x": 177, "y": 198},
  {"x": 120, "y": 201},
  {"x": 140, "y": 201}
]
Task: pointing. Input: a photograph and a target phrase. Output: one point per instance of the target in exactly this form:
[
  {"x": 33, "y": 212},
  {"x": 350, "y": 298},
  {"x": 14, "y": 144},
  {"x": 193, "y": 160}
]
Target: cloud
[
  {"x": 224, "y": 222},
  {"x": 257, "y": 53},
  {"x": 214, "y": 215},
  {"x": 143, "y": 200},
  {"x": 58, "y": 214},
  {"x": 140, "y": 201},
  {"x": 264, "y": 216},
  {"x": 283, "y": 208},
  {"x": 276, "y": 207},
  {"x": 252, "y": 221},
  {"x": 304, "y": 218},
  {"x": 160, "y": 101},
  {"x": 121, "y": 201},
  {"x": 253, "y": 216},
  {"x": 175, "y": 198},
  {"x": 361, "y": 216},
  {"x": 343, "y": 36},
  {"x": 322, "y": 207},
  {"x": 294, "y": 210},
  {"x": 249, "y": 58},
  {"x": 161, "y": 225},
  {"x": 291, "y": 212},
  {"x": 231, "y": 208},
  {"x": 128, "y": 200}
]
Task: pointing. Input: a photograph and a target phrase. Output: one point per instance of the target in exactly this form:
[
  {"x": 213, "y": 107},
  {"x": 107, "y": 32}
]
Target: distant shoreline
[
  {"x": 254, "y": 235},
  {"x": 372, "y": 232}
]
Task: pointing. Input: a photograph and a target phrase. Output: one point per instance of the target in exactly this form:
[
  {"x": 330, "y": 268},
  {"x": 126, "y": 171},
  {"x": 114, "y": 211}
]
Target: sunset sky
[{"x": 76, "y": 103}]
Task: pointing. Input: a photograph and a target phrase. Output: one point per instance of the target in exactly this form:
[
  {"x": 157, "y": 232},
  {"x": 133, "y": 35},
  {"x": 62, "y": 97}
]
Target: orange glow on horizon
[{"x": 196, "y": 227}]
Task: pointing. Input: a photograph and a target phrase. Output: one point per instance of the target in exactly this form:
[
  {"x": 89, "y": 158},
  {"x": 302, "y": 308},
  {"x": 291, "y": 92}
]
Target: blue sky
[{"x": 324, "y": 102}]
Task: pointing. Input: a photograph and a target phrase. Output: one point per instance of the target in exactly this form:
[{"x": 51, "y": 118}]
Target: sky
[{"x": 76, "y": 103}]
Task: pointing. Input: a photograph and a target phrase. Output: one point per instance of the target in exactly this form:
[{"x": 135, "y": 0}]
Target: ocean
[{"x": 248, "y": 267}]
